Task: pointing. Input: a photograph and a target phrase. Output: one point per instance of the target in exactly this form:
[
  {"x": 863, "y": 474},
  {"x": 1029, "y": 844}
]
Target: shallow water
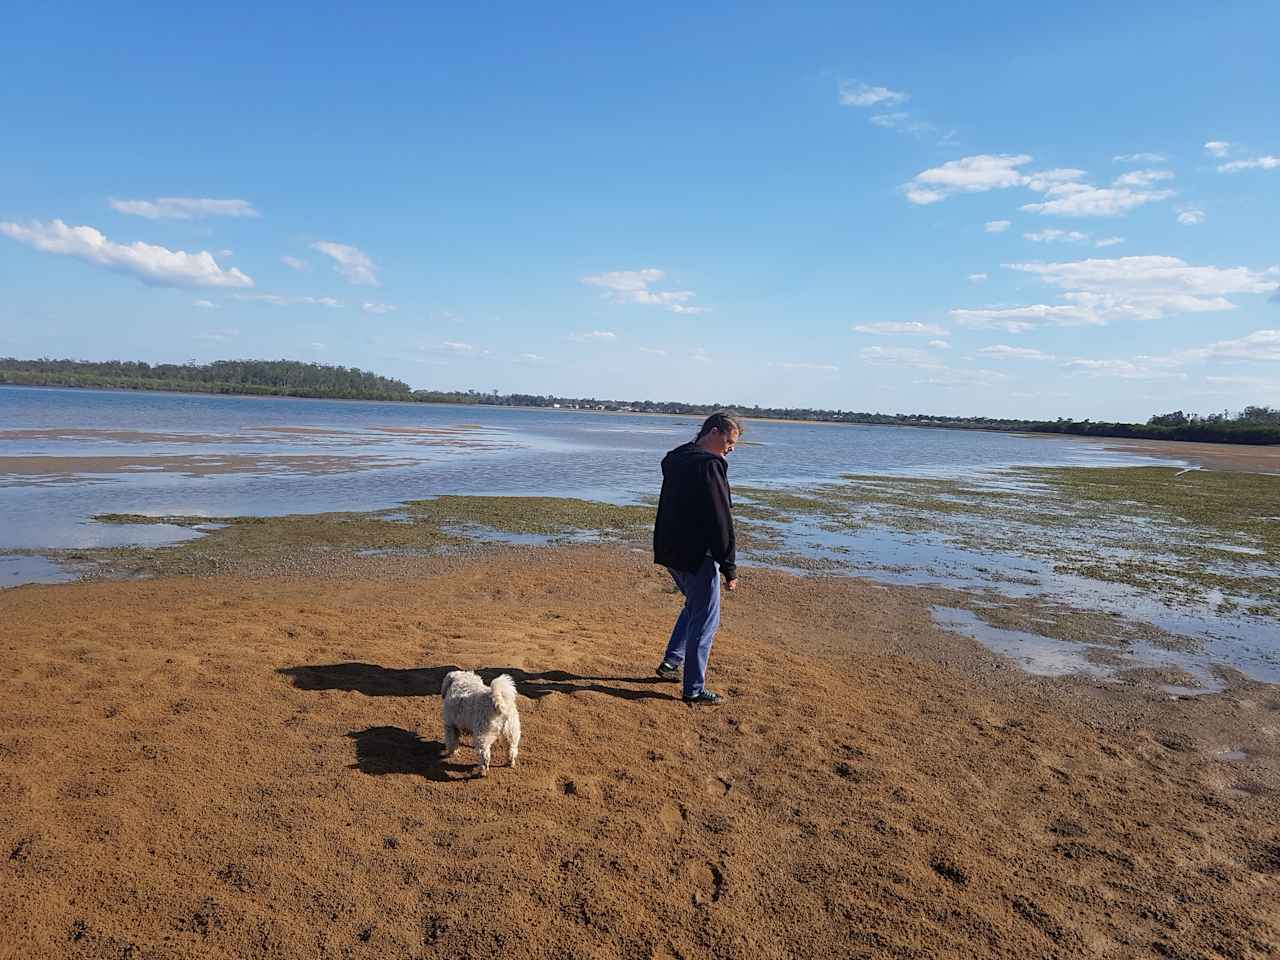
[{"x": 216, "y": 456}]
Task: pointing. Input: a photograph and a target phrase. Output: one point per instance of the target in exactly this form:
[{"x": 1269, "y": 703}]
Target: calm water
[
  {"x": 360, "y": 456},
  {"x": 163, "y": 454}
]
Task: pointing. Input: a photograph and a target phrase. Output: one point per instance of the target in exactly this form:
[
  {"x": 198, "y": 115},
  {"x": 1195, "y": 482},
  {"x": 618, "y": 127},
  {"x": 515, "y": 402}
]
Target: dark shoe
[
  {"x": 668, "y": 671},
  {"x": 704, "y": 698}
]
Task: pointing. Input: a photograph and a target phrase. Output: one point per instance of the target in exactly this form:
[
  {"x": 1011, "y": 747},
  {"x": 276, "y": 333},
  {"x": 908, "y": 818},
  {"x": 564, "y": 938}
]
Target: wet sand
[{"x": 229, "y": 767}]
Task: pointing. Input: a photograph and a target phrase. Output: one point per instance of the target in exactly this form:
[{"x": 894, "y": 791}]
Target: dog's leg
[
  {"x": 450, "y": 739},
  {"x": 484, "y": 744},
  {"x": 513, "y": 738}
]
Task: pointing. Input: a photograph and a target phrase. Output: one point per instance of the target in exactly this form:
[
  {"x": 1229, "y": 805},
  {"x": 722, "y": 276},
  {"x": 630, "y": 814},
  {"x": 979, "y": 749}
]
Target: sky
[{"x": 1027, "y": 210}]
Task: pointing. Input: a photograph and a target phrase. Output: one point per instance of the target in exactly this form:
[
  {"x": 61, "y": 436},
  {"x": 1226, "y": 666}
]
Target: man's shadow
[
  {"x": 375, "y": 681},
  {"x": 383, "y": 750}
]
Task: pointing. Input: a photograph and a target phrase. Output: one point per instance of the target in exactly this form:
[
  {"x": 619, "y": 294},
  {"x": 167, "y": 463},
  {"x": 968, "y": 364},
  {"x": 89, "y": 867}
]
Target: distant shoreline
[{"x": 1260, "y": 436}]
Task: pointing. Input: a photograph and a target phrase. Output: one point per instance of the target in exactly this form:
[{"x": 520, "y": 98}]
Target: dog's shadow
[{"x": 383, "y": 750}]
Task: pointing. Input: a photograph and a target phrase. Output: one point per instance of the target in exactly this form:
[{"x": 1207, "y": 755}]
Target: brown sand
[{"x": 235, "y": 768}]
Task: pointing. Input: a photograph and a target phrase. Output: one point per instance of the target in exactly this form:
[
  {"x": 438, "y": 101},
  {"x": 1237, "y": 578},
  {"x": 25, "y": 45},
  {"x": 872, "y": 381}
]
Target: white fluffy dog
[{"x": 486, "y": 713}]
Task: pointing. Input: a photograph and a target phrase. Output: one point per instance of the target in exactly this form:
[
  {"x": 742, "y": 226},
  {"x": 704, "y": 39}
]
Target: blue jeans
[{"x": 691, "y": 638}]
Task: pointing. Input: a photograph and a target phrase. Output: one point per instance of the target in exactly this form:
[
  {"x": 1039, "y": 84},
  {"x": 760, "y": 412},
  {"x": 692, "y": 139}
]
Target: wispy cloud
[
  {"x": 633, "y": 286},
  {"x": 656, "y": 351},
  {"x": 939, "y": 344},
  {"x": 1056, "y": 236},
  {"x": 379, "y": 308},
  {"x": 1258, "y": 163},
  {"x": 205, "y": 305},
  {"x": 866, "y": 95},
  {"x": 219, "y": 336},
  {"x": 900, "y": 357},
  {"x": 977, "y": 174},
  {"x": 1109, "y": 241},
  {"x": 1191, "y": 218},
  {"x": 996, "y": 226},
  {"x": 977, "y": 277},
  {"x": 594, "y": 336},
  {"x": 280, "y": 301},
  {"x": 1218, "y": 148},
  {"x": 530, "y": 358},
  {"x": 153, "y": 265},
  {"x": 351, "y": 262},
  {"x": 1143, "y": 178},
  {"x": 1064, "y": 193},
  {"x": 300, "y": 265},
  {"x": 1128, "y": 288},
  {"x": 1002, "y": 351},
  {"x": 910, "y": 328},
  {"x": 1140, "y": 158},
  {"x": 184, "y": 208},
  {"x": 815, "y": 367}
]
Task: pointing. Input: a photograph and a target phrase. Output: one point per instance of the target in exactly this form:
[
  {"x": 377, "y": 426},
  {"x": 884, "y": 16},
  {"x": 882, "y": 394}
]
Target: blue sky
[{"x": 999, "y": 209}]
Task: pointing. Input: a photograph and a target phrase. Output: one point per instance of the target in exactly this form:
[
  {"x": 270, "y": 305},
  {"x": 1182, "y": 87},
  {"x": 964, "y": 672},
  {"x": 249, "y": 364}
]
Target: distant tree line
[
  {"x": 288, "y": 378},
  {"x": 1252, "y": 425}
]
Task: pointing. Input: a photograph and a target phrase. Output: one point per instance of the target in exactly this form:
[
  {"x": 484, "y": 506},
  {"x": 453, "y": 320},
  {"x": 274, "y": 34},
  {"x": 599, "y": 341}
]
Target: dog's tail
[{"x": 503, "y": 690}]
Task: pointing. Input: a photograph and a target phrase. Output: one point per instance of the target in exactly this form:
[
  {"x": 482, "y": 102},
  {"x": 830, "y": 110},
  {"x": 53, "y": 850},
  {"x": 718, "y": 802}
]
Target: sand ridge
[{"x": 234, "y": 768}]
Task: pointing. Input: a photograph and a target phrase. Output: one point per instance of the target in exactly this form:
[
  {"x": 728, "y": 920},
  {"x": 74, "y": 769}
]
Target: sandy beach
[{"x": 232, "y": 767}]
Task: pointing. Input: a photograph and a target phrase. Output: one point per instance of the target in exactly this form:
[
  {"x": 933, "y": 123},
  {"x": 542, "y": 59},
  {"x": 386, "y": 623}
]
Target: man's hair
[{"x": 719, "y": 421}]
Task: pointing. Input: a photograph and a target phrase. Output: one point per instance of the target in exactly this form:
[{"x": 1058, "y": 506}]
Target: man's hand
[{"x": 731, "y": 584}]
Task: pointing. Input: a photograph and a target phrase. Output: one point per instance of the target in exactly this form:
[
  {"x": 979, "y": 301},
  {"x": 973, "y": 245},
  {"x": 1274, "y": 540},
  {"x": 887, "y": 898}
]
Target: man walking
[{"x": 693, "y": 539}]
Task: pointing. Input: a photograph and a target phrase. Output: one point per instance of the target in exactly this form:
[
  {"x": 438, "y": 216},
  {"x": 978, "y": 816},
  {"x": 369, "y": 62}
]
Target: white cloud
[
  {"x": 279, "y": 301},
  {"x": 1109, "y": 241},
  {"x": 977, "y": 277},
  {"x": 1259, "y": 345},
  {"x": 153, "y": 265},
  {"x": 900, "y": 357},
  {"x": 1191, "y": 218},
  {"x": 318, "y": 346},
  {"x": 219, "y": 336},
  {"x": 632, "y": 286},
  {"x": 1129, "y": 288},
  {"x": 1001, "y": 351},
  {"x": 864, "y": 95},
  {"x": 1258, "y": 163},
  {"x": 1123, "y": 369},
  {"x": 206, "y": 304},
  {"x": 1022, "y": 319},
  {"x": 458, "y": 347},
  {"x": 379, "y": 308},
  {"x": 184, "y": 208},
  {"x": 1219, "y": 148},
  {"x": 910, "y": 328},
  {"x": 1057, "y": 236},
  {"x": 996, "y": 226},
  {"x": 817, "y": 367},
  {"x": 295, "y": 263},
  {"x": 1140, "y": 158},
  {"x": 964, "y": 378},
  {"x": 976, "y": 174},
  {"x": 595, "y": 336},
  {"x": 531, "y": 358},
  {"x": 1064, "y": 194},
  {"x": 654, "y": 350},
  {"x": 351, "y": 262},
  {"x": 1143, "y": 178},
  {"x": 940, "y": 344},
  {"x": 1084, "y": 200}
]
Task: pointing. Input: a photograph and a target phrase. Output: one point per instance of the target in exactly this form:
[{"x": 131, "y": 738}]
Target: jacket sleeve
[{"x": 720, "y": 536}]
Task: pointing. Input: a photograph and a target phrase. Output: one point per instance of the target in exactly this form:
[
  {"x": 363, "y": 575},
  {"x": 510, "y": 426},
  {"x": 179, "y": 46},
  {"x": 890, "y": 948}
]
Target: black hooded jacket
[{"x": 695, "y": 512}]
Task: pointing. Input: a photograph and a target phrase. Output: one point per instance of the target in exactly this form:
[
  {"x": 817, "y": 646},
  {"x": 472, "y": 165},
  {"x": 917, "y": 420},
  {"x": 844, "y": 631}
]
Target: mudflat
[{"x": 235, "y": 767}]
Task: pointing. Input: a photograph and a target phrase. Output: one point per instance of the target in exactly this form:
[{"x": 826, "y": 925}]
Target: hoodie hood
[{"x": 684, "y": 456}]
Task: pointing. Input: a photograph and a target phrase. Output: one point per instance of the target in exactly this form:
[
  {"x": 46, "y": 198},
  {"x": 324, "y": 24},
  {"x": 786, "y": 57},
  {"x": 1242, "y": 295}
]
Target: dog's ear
[{"x": 447, "y": 682}]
